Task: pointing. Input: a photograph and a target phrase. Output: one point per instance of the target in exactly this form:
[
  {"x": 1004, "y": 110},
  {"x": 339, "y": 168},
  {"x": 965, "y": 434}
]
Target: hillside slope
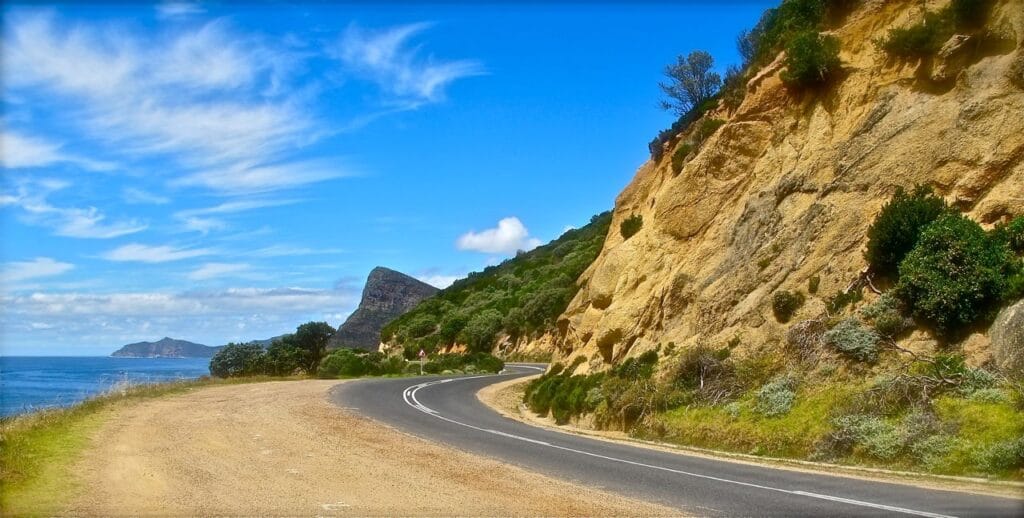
[
  {"x": 785, "y": 190},
  {"x": 165, "y": 348}
]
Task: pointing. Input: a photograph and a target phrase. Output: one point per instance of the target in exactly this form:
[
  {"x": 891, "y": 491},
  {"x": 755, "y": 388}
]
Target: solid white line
[{"x": 409, "y": 395}]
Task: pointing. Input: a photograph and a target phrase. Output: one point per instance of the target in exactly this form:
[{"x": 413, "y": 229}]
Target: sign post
[{"x": 423, "y": 356}]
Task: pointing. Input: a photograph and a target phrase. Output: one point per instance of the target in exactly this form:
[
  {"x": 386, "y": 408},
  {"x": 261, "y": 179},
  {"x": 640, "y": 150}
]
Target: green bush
[
  {"x": 919, "y": 40},
  {"x": 1012, "y": 234},
  {"x": 631, "y": 226},
  {"x": 478, "y": 335},
  {"x": 637, "y": 367},
  {"x": 785, "y": 303},
  {"x": 344, "y": 362},
  {"x": 955, "y": 275},
  {"x": 283, "y": 357},
  {"x": 886, "y": 315},
  {"x": 811, "y": 59},
  {"x": 235, "y": 360},
  {"x": 707, "y": 128},
  {"x": 776, "y": 397},
  {"x": 898, "y": 226},
  {"x": 679, "y": 157},
  {"x": 1001, "y": 456},
  {"x": 851, "y": 338}
]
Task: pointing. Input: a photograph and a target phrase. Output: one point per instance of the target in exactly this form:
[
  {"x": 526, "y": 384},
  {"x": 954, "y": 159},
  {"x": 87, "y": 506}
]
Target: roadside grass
[
  {"x": 974, "y": 438},
  {"x": 38, "y": 449}
]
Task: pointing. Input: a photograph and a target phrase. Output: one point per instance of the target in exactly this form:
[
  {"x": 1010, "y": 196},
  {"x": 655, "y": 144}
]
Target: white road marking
[{"x": 409, "y": 395}]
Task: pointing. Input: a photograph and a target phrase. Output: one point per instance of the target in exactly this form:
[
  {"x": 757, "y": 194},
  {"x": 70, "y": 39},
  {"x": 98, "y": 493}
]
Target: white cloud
[
  {"x": 136, "y": 252},
  {"x": 292, "y": 251},
  {"x": 39, "y": 267},
  {"x": 509, "y": 236},
  {"x": 134, "y": 196},
  {"x": 20, "y": 151},
  {"x": 215, "y": 270},
  {"x": 178, "y": 9},
  {"x": 387, "y": 58},
  {"x": 86, "y": 223},
  {"x": 203, "y": 225},
  {"x": 231, "y": 207},
  {"x": 439, "y": 281},
  {"x": 212, "y": 99}
]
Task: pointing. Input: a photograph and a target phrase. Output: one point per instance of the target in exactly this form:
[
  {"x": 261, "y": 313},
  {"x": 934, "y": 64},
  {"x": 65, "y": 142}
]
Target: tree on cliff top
[{"x": 692, "y": 82}]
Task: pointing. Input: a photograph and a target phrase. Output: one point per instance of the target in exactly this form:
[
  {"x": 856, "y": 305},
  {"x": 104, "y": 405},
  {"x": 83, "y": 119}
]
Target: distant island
[{"x": 168, "y": 347}]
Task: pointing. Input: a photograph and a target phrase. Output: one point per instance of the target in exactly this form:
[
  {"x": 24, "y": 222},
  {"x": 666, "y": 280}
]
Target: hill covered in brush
[{"x": 519, "y": 299}]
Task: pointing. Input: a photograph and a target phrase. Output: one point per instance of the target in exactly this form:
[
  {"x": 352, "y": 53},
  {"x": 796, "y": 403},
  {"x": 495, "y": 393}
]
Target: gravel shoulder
[{"x": 281, "y": 448}]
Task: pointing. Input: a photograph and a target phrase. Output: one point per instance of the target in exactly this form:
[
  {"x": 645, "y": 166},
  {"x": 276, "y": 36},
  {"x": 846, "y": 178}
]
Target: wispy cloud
[
  {"x": 39, "y": 267},
  {"x": 169, "y": 10},
  {"x": 136, "y": 252},
  {"x": 86, "y": 223},
  {"x": 388, "y": 58},
  {"x": 23, "y": 151},
  {"x": 292, "y": 251},
  {"x": 231, "y": 207},
  {"x": 210, "y": 98},
  {"x": 216, "y": 270},
  {"x": 509, "y": 236},
  {"x": 135, "y": 196}
]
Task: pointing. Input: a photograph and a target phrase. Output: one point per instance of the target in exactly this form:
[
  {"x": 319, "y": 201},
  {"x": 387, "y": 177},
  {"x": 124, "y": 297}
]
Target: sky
[{"x": 226, "y": 171}]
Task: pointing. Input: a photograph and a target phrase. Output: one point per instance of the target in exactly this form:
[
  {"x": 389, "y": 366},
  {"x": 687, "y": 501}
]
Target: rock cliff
[
  {"x": 784, "y": 191},
  {"x": 387, "y": 295}
]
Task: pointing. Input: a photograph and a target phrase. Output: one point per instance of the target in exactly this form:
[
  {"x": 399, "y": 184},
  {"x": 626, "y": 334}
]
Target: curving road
[{"x": 445, "y": 409}]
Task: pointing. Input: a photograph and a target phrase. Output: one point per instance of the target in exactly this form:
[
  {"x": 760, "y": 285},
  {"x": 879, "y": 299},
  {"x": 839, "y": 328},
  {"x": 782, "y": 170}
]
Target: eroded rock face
[
  {"x": 786, "y": 190},
  {"x": 1007, "y": 334},
  {"x": 387, "y": 295}
]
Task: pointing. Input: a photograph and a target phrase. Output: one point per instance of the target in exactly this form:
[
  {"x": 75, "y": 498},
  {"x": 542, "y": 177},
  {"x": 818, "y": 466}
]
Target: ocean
[{"x": 32, "y": 382}]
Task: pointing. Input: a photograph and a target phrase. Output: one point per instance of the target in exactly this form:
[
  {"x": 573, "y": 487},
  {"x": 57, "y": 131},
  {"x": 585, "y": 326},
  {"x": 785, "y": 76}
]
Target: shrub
[
  {"x": 812, "y": 284},
  {"x": 237, "y": 360},
  {"x": 811, "y": 59},
  {"x": 785, "y": 303},
  {"x": 851, "y": 338},
  {"x": 707, "y": 128},
  {"x": 886, "y": 314},
  {"x": 1012, "y": 234},
  {"x": 478, "y": 335},
  {"x": 637, "y": 367},
  {"x": 283, "y": 357},
  {"x": 875, "y": 435},
  {"x": 1000, "y": 456},
  {"x": 776, "y": 397},
  {"x": 679, "y": 157},
  {"x": 631, "y": 226},
  {"x": 898, "y": 226},
  {"x": 344, "y": 362},
  {"x": 955, "y": 275},
  {"x": 919, "y": 40}
]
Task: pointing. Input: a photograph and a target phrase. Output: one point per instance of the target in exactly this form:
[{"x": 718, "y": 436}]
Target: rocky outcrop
[
  {"x": 165, "y": 348},
  {"x": 387, "y": 295},
  {"x": 785, "y": 190},
  {"x": 1007, "y": 335}
]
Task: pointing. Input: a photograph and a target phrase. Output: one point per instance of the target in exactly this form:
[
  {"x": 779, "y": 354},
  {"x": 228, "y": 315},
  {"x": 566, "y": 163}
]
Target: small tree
[
  {"x": 284, "y": 357},
  {"x": 311, "y": 338},
  {"x": 811, "y": 59},
  {"x": 898, "y": 226},
  {"x": 692, "y": 82},
  {"x": 237, "y": 360}
]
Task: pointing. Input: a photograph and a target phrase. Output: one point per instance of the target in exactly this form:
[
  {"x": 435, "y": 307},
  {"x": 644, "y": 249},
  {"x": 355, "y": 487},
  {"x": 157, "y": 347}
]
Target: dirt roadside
[
  {"x": 506, "y": 399},
  {"x": 281, "y": 448}
]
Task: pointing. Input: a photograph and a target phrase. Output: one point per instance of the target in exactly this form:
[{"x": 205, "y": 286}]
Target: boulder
[{"x": 1007, "y": 334}]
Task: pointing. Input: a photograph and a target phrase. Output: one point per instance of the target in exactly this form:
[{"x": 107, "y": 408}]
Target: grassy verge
[{"x": 38, "y": 449}]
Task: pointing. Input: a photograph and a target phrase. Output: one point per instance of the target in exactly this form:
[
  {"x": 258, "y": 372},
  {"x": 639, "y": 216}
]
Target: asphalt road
[{"x": 445, "y": 409}]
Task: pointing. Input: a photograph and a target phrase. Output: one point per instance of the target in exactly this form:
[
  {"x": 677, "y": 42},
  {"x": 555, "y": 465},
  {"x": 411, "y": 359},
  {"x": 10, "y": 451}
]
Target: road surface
[{"x": 445, "y": 409}]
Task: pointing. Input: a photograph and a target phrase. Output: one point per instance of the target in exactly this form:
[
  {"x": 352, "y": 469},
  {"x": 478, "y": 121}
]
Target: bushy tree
[
  {"x": 811, "y": 59},
  {"x": 478, "y": 335},
  {"x": 898, "y": 226},
  {"x": 235, "y": 360},
  {"x": 631, "y": 226},
  {"x": 785, "y": 303},
  {"x": 955, "y": 275},
  {"x": 312, "y": 338},
  {"x": 283, "y": 357},
  {"x": 691, "y": 82}
]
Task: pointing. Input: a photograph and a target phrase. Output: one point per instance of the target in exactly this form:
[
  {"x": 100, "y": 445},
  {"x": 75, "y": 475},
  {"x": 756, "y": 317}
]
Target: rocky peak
[{"x": 387, "y": 295}]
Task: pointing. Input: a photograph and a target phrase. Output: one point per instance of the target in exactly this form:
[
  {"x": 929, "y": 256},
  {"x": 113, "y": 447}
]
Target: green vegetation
[
  {"x": 631, "y": 225},
  {"x": 300, "y": 352},
  {"x": 887, "y": 316},
  {"x": 350, "y": 363},
  {"x": 679, "y": 157},
  {"x": 38, "y": 449},
  {"x": 956, "y": 275},
  {"x": 812, "y": 284},
  {"x": 924, "y": 38},
  {"x": 519, "y": 297},
  {"x": 898, "y": 226},
  {"x": 692, "y": 82},
  {"x": 785, "y": 303},
  {"x": 851, "y": 338},
  {"x": 811, "y": 59}
]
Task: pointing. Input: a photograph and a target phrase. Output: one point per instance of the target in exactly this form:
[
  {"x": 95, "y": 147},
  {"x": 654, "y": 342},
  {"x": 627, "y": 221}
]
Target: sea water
[{"x": 33, "y": 382}]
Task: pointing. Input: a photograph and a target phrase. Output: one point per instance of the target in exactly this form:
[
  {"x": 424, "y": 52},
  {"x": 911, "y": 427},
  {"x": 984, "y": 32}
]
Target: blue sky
[{"x": 220, "y": 172}]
